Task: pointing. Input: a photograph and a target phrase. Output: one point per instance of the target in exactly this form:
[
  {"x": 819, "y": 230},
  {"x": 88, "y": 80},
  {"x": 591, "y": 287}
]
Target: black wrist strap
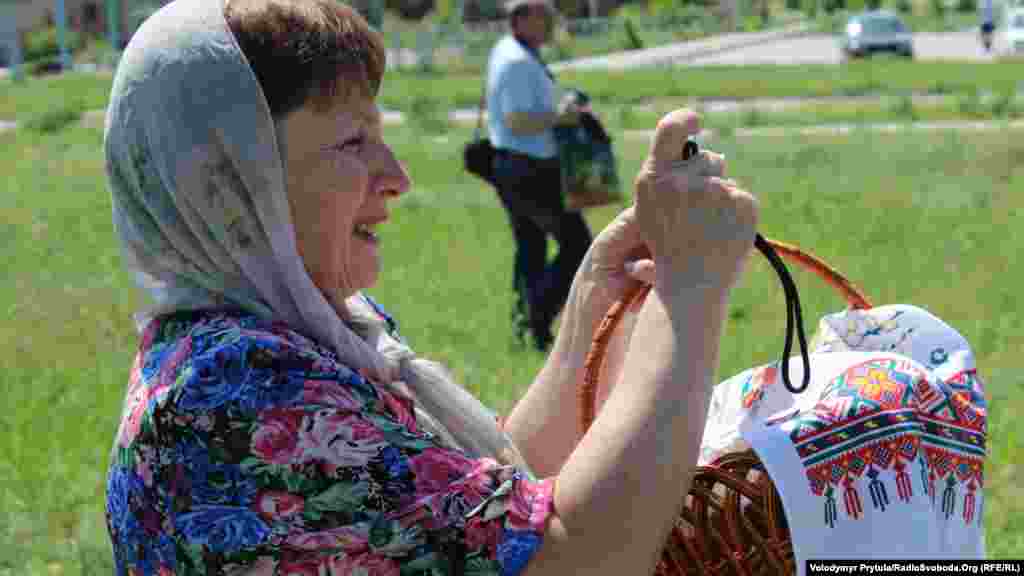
[{"x": 794, "y": 315}]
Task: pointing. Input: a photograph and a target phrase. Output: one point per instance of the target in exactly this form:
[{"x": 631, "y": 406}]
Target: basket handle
[{"x": 587, "y": 393}]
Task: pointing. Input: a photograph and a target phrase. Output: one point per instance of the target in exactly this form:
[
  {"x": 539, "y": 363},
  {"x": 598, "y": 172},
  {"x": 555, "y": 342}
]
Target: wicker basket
[{"x": 732, "y": 522}]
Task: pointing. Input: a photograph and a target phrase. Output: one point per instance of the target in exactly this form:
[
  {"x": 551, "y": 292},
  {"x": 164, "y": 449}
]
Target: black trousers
[{"x": 530, "y": 190}]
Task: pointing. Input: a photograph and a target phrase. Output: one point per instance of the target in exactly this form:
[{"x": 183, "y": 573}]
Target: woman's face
[{"x": 341, "y": 176}]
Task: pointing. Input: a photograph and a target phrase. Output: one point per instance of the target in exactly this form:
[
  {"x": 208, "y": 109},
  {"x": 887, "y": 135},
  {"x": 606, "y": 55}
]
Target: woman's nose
[{"x": 393, "y": 179}]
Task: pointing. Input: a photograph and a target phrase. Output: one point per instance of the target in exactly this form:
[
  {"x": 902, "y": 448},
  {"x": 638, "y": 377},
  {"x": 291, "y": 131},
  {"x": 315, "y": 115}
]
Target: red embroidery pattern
[
  {"x": 759, "y": 379},
  {"x": 882, "y": 415}
]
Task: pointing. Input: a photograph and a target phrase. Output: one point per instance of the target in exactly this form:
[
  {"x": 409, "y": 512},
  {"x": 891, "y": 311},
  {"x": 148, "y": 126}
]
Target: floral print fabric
[{"x": 245, "y": 447}]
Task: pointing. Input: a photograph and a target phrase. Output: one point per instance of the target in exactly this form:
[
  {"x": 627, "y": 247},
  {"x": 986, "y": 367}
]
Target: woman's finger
[
  {"x": 620, "y": 240},
  {"x": 716, "y": 164},
  {"x": 671, "y": 134},
  {"x": 641, "y": 270}
]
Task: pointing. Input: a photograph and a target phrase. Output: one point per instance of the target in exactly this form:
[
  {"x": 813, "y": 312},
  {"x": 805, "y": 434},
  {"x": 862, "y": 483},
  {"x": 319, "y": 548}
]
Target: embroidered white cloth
[{"x": 882, "y": 457}]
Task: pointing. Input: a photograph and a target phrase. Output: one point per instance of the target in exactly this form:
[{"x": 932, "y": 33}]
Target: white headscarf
[{"x": 200, "y": 205}]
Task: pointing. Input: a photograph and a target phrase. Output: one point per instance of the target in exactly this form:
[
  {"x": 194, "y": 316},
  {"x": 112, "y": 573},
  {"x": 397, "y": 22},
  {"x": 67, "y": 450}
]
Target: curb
[
  {"x": 803, "y": 30},
  {"x": 95, "y": 118},
  {"x": 463, "y": 116}
]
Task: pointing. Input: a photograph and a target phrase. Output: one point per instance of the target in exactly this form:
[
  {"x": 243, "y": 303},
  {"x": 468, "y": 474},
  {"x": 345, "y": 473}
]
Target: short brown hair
[
  {"x": 516, "y": 9},
  {"x": 307, "y": 50}
]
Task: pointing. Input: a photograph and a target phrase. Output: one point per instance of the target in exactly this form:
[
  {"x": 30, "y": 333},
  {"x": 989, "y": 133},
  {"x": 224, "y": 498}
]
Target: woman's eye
[{"x": 353, "y": 145}]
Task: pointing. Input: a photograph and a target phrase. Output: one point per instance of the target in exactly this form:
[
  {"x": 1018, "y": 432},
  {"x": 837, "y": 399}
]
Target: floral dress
[{"x": 246, "y": 448}]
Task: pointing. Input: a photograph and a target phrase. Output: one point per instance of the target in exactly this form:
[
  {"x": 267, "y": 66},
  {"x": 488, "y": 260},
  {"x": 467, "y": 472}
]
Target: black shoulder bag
[{"x": 478, "y": 154}]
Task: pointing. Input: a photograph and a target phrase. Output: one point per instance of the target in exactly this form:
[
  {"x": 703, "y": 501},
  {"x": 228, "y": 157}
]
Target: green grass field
[
  {"x": 406, "y": 90},
  {"x": 935, "y": 220},
  {"x": 878, "y": 76},
  {"x": 900, "y": 109}
]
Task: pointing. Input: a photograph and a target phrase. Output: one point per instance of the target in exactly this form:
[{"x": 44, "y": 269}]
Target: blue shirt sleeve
[{"x": 522, "y": 89}]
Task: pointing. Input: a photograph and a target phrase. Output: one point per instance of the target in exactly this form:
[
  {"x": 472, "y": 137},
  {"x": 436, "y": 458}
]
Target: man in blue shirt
[
  {"x": 988, "y": 25},
  {"x": 521, "y": 113}
]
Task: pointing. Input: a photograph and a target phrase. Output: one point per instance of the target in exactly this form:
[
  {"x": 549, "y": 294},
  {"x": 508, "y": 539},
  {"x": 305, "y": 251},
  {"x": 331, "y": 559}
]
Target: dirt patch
[{"x": 94, "y": 119}]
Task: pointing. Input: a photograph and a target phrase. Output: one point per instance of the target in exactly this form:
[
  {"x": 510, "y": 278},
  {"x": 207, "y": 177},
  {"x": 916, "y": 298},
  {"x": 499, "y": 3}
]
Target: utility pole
[
  {"x": 9, "y": 37},
  {"x": 374, "y": 14},
  {"x": 114, "y": 24},
  {"x": 62, "y": 26}
]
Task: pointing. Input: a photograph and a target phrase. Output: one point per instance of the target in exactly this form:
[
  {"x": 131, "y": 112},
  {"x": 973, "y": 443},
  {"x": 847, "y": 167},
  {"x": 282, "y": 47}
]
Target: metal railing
[
  {"x": 467, "y": 46},
  {"x": 16, "y": 54}
]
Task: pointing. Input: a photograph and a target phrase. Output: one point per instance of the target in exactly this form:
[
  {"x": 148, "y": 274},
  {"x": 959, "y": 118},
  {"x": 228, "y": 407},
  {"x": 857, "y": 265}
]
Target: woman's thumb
[{"x": 671, "y": 134}]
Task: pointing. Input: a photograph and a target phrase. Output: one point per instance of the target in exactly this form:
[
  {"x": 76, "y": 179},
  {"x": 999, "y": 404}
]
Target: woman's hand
[
  {"x": 616, "y": 262},
  {"x": 544, "y": 423},
  {"x": 635, "y": 464},
  {"x": 698, "y": 226},
  {"x": 621, "y": 256}
]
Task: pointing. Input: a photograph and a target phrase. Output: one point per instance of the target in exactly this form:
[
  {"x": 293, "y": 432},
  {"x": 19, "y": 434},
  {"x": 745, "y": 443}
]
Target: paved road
[
  {"x": 823, "y": 49},
  {"x": 681, "y": 51}
]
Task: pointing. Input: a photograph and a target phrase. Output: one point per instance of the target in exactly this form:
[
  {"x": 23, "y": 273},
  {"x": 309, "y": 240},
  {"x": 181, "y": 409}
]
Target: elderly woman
[{"x": 276, "y": 423}]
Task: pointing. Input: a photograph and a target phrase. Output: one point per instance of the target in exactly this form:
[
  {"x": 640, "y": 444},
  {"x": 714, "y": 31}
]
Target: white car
[
  {"x": 1015, "y": 32},
  {"x": 878, "y": 31}
]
